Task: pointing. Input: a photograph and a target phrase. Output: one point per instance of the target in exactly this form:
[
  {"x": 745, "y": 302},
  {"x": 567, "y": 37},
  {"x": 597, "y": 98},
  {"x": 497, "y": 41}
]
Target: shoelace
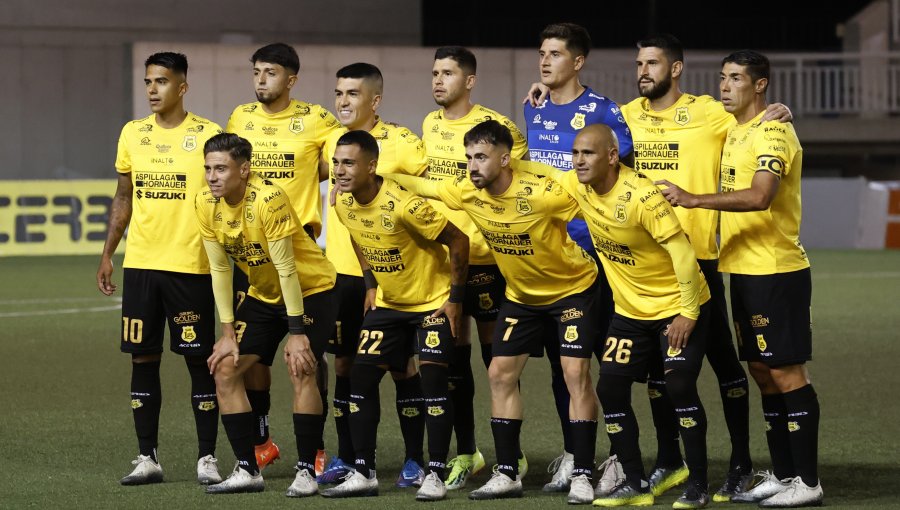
[{"x": 555, "y": 464}]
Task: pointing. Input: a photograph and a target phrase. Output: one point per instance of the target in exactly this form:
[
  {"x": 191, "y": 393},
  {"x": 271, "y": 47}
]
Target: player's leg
[
  {"x": 669, "y": 469},
  {"x": 411, "y": 415}
]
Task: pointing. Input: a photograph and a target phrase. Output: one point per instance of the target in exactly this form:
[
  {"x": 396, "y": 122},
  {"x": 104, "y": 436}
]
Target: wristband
[
  {"x": 369, "y": 278},
  {"x": 457, "y": 293},
  {"x": 295, "y": 325}
]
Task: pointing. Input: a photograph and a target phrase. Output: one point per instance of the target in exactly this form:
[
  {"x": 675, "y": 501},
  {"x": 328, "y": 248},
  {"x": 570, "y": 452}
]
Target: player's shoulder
[
  {"x": 204, "y": 200},
  {"x": 143, "y": 125},
  {"x": 246, "y": 109},
  {"x": 202, "y": 125},
  {"x": 639, "y": 186},
  {"x": 394, "y": 131}
]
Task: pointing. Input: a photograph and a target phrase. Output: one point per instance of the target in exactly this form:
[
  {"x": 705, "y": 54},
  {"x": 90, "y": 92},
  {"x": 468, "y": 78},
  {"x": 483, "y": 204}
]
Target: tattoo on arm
[
  {"x": 458, "y": 243},
  {"x": 119, "y": 214}
]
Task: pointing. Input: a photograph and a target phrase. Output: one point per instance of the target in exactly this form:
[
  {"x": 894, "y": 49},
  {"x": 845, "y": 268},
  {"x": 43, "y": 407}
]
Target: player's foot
[
  {"x": 797, "y": 494},
  {"x": 737, "y": 482},
  {"x": 767, "y": 485},
  {"x": 411, "y": 475},
  {"x": 355, "y": 485},
  {"x": 432, "y": 489},
  {"x": 581, "y": 492},
  {"x": 626, "y": 495},
  {"x": 208, "y": 470},
  {"x": 693, "y": 497},
  {"x": 335, "y": 472},
  {"x": 266, "y": 454},
  {"x": 499, "y": 486},
  {"x": 304, "y": 485},
  {"x": 611, "y": 476},
  {"x": 462, "y": 467},
  {"x": 562, "y": 468},
  {"x": 238, "y": 481},
  {"x": 145, "y": 471},
  {"x": 321, "y": 459},
  {"x": 663, "y": 479}
]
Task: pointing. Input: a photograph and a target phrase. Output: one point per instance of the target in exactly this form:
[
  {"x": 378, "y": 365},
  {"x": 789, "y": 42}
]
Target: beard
[
  {"x": 267, "y": 98},
  {"x": 657, "y": 90}
]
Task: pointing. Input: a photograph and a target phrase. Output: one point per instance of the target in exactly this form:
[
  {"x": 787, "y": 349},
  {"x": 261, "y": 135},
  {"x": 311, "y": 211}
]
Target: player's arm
[
  {"x": 537, "y": 168},
  {"x": 684, "y": 261},
  {"x": 445, "y": 191},
  {"x": 778, "y": 112},
  {"x": 368, "y": 278},
  {"x": 298, "y": 354},
  {"x": 220, "y": 272},
  {"x": 119, "y": 216},
  {"x": 324, "y": 167},
  {"x": 757, "y": 197},
  {"x": 458, "y": 244},
  {"x": 536, "y": 94}
]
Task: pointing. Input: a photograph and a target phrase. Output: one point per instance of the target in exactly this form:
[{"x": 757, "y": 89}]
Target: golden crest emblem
[
  {"x": 189, "y": 143},
  {"x": 435, "y": 410},
  {"x": 188, "y": 334},
  {"x": 672, "y": 352},
  {"x": 682, "y": 116},
  {"x": 353, "y": 407},
  {"x": 577, "y": 121},
  {"x": 761, "y": 342},
  {"x": 654, "y": 393},
  {"x": 485, "y": 302},
  {"x": 523, "y": 206},
  {"x": 387, "y": 222},
  {"x": 207, "y": 405},
  {"x": 793, "y": 426},
  {"x": 571, "y": 333},
  {"x": 432, "y": 340},
  {"x": 296, "y": 125},
  {"x": 736, "y": 393},
  {"x": 410, "y": 412},
  {"x": 620, "y": 213},
  {"x": 338, "y": 412},
  {"x": 613, "y": 428},
  {"x": 687, "y": 422},
  {"x": 136, "y": 402}
]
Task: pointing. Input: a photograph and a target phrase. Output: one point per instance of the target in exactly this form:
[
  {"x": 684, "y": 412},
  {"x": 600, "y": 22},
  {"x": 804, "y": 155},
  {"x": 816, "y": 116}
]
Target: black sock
[
  {"x": 260, "y": 402},
  {"x": 803, "y": 430},
  {"x": 682, "y": 387},
  {"x": 462, "y": 394},
  {"x": 365, "y": 413},
  {"x": 775, "y": 413},
  {"x": 584, "y": 437},
  {"x": 621, "y": 425},
  {"x": 204, "y": 405},
  {"x": 665, "y": 421},
  {"x": 561, "y": 398},
  {"x": 487, "y": 354},
  {"x": 506, "y": 441},
  {"x": 308, "y": 432},
  {"x": 412, "y": 420},
  {"x": 342, "y": 418},
  {"x": 239, "y": 429},
  {"x": 438, "y": 416},
  {"x": 146, "y": 400},
  {"x": 322, "y": 383},
  {"x": 736, "y": 406}
]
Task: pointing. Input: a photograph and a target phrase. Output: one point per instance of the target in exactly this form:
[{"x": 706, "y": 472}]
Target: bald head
[
  {"x": 600, "y": 134},
  {"x": 595, "y": 155}
]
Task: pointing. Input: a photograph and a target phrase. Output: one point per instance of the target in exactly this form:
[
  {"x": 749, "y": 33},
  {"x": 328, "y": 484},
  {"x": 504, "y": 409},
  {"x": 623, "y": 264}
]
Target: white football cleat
[
  {"x": 580, "y": 490},
  {"x": 208, "y": 470},
  {"x": 432, "y": 489},
  {"x": 238, "y": 481},
  {"x": 797, "y": 494},
  {"x": 304, "y": 485},
  {"x": 499, "y": 486},
  {"x": 145, "y": 471},
  {"x": 611, "y": 476},
  {"x": 354, "y": 485},
  {"x": 562, "y": 468}
]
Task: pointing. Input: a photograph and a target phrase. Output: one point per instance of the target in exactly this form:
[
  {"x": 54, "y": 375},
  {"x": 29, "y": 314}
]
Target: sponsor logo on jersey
[
  {"x": 296, "y": 125},
  {"x": 768, "y": 425},
  {"x": 248, "y": 126},
  {"x": 217, "y": 217},
  {"x": 571, "y": 333},
  {"x": 187, "y": 317},
  {"x": 536, "y": 119},
  {"x": 189, "y": 143},
  {"x": 589, "y": 108},
  {"x": 249, "y": 108},
  {"x": 429, "y": 321},
  {"x": 410, "y": 412},
  {"x": 543, "y": 137},
  {"x": 484, "y": 301},
  {"x": 432, "y": 339},
  {"x": 613, "y": 428},
  {"x": 447, "y": 135},
  {"x": 270, "y": 131},
  {"x": 523, "y": 206},
  {"x": 435, "y": 410},
  {"x": 509, "y": 243},
  {"x": 761, "y": 342},
  {"x": 146, "y": 128},
  {"x": 207, "y": 405},
  {"x": 549, "y": 125},
  {"x": 145, "y": 140},
  {"x": 673, "y": 351},
  {"x": 163, "y": 148},
  {"x": 682, "y": 115},
  {"x": 383, "y": 260},
  {"x": 233, "y": 223},
  {"x": 687, "y": 422}
]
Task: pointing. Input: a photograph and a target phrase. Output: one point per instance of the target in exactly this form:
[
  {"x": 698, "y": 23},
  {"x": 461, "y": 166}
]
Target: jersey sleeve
[
  {"x": 560, "y": 204},
  {"x": 520, "y": 143},
  {"x": 232, "y": 124},
  {"x": 656, "y": 214},
  {"x": 220, "y": 272},
  {"x": 420, "y": 217},
  {"x": 123, "y": 157},
  {"x": 687, "y": 272},
  {"x": 613, "y": 118},
  {"x": 275, "y": 211},
  {"x": 413, "y": 160},
  {"x": 773, "y": 149},
  {"x": 717, "y": 118},
  {"x": 326, "y": 124},
  {"x": 537, "y": 168},
  {"x": 201, "y": 208},
  {"x": 282, "y": 253}
]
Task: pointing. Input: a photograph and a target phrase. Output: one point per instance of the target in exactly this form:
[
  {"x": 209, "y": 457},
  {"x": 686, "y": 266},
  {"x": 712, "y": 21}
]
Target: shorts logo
[
  {"x": 687, "y": 422},
  {"x": 207, "y": 405},
  {"x": 653, "y": 393},
  {"x": 433, "y": 321},
  {"x": 353, "y": 407},
  {"x": 386, "y": 222},
  {"x": 432, "y": 340},
  {"x": 189, "y": 143},
  {"x": 136, "y": 402},
  {"x": 188, "y": 334},
  {"x": 620, "y": 213},
  {"x": 793, "y": 426},
  {"x": 410, "y": 412},
  {"x": 682, "y": 116},
  {"x": 571, "y": 333},
  {"x": 761, "y": 342},
  {"x": 758, "y": 321},
  {"x": 484, "y": 301},
  {"x": 571, "y": 314},
  {"x": 435, "y": 410},
  {"x": 736, "y": 393},
  {"x": 338, "y": 413},
  {"x": 613, "y": 428},
  {"x": 296, "y": 125},
  {"x": 577, "y": 121},
  {"x": 672, "y": 352}
]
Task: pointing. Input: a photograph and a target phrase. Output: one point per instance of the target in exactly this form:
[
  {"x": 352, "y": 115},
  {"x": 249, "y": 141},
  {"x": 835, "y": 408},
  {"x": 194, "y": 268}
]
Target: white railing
[{"x": 811, "y": 84}]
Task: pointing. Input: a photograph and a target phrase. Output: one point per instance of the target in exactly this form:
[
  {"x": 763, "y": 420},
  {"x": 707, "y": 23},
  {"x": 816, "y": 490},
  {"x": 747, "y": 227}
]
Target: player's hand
[
  {"x": 676, "y": 196},
  {"x": 332, "y": 197},
  {"x": 779, "y": 112},
  {"x": 104, "y": 276},
  {"x": 537, "y": 94},
  {"x": 226, "y": 346},
  {"x": 679, "y": 331},
  {"x": 298, "y": 355},
  {"x": 369, "y": 304},
  {"x": 453, "y": 311}
]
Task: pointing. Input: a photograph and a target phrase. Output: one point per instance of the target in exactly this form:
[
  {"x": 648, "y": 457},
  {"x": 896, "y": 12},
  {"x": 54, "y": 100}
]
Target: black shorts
[
  {"x": 151, "y": 298},
  {"x": 260, "y": 327},
  {"x": 772, "y": 317},
  {"x": 391, "y": 337},
  {"x": 240, "y": 283},
  {"x": 632, "y": 344},
  {"x": 350, "y": 292},
  {"x": 719, "y": 325},
  {"x": 567, "y": 327},
  {"x": 485, "y": 292}
]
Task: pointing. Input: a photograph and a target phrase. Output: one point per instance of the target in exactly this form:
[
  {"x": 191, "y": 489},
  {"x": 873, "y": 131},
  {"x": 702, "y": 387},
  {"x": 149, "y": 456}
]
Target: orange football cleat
[{"x": 266, "y": 453}]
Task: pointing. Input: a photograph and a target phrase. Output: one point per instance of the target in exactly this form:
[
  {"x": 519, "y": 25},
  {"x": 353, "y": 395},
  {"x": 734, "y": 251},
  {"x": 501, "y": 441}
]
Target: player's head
[
  {"x": 357, "y": 94},
  {"x": 452, "y": 75},
  {"x": 355, "y": 159},
  {"x": 564, "y": 48},
  {"x": 595, "y": 152},
  {"x": 743, "y": 80},
  {"x": 275, "y": 68},
  {"x": 488, "y": 147},
  {"x": 660, "y": 61},
  {"x": 227, "y": 164},
  {"x": 165, "y": 79}
]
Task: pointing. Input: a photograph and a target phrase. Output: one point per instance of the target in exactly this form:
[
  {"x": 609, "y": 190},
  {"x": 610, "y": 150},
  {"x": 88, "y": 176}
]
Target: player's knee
[
  {"x": 434, "y": 379},
  {"x": 789, "y": 377},
  {"x": 502, "y": 376},
  {"x": 342, "y": 365},
  {"x": 761, "y": 374},
  {"x": 681, "y": 384},
  {"x": 614, "y": 391},
  {"x": 364, "y": 379},
  {"x": 146, "y": 358}
]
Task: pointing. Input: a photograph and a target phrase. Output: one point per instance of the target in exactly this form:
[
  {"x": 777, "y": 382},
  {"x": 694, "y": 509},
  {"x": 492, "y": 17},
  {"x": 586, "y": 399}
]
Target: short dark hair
[
  {"x": 576, "y": 37},
  {"x": 670, "y": 45},
  {"x": 463, "y": 57},
  {"x": 365, "y": 141},
  {"x": 364, "y": 71},
  {"x": 238, "y": 148},
  {"x": 756, "y": 63},
  {"x": 489, "y": 131},
  {"x": 278, "y": 53},
  {"x": 172, "y": 61}
]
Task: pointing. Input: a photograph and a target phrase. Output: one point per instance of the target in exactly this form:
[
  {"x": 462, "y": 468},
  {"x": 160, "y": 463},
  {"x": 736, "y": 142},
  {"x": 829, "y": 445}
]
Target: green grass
[{"x": 66, "y": 432}]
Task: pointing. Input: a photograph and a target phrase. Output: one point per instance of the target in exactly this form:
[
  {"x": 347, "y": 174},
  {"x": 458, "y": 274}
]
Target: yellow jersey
[
  {"x": 396, "y": 233},
  {"x": 400, "y": 150},
  {"x": 246, "y": 230},
  {"x": 447, "y": 160},
  {"x": 683, "y": 144},
  {"x": 286, "y": 149},
  {"x": 763, "y": 242},
  {"x": 166, "y": 167}
]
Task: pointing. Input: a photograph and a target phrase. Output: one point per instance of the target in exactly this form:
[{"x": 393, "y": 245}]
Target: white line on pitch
[
  {"x": 59, "y": 311},
  {"x": 39, "y": 301},
  {"x": 874, "y": 274}
]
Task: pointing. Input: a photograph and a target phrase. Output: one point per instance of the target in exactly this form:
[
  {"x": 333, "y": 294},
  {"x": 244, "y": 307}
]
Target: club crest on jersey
[
  {"x": 189, "y": 143},
  {"x": 249, "y": 215},
  {"x": 571, "y": 333},
  {"x": 188, "y": 334},
  {"x": 672, "y": 352},
  {"x": 682, "y": 116},
  {"x": 523, "y": 206},
  {"x": 296, "y": 125},
  {"x": 432, "y": 339},
  {"x": 619, "y": 214},
  {"x": 386, "y": 222},
  {"x": 577, "y": 121},
  {"x": 485, "y": 302},
  {"x": 761, "y": 342}
]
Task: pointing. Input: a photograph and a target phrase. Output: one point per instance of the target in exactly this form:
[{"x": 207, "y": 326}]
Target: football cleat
[
  {"x": 581, "y": 492},
  {"x": 411, "y": 475},
  {"x": 663, "y": 479},
  {"x": 355, "y": 485},
  {"x": 737, "y": 482},
  {"x": 145, "y": 471},
  {"x": 693, "y": 497},
  {"x": 462, "y": 467},
  {"x": 626, "y": 495},
  {"x": 266, "y": 454},
  {"x": 767, "y": 485},
  {"x": 611, "y": 476},
  {"x": 797, "y": 494},
  {"x": 499, "y": 486},
  {"x": 562, "y": 468},
  {"x": 238, "y": 481},
  {"x": 208, "y": 470},
  {"x": 432, "y": 489},
  {"x": 321, "y": 459},
  {"x": 304, "y": 485},
  {"x": 335, "y": 472}
]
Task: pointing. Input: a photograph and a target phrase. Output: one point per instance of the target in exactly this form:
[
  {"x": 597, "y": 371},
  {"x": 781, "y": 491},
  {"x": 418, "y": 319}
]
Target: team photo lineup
[{"x": 600, "y": 230}]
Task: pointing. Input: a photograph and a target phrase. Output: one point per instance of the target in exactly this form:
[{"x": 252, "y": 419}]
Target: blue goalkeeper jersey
[{"x": 551, "y": 133}]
